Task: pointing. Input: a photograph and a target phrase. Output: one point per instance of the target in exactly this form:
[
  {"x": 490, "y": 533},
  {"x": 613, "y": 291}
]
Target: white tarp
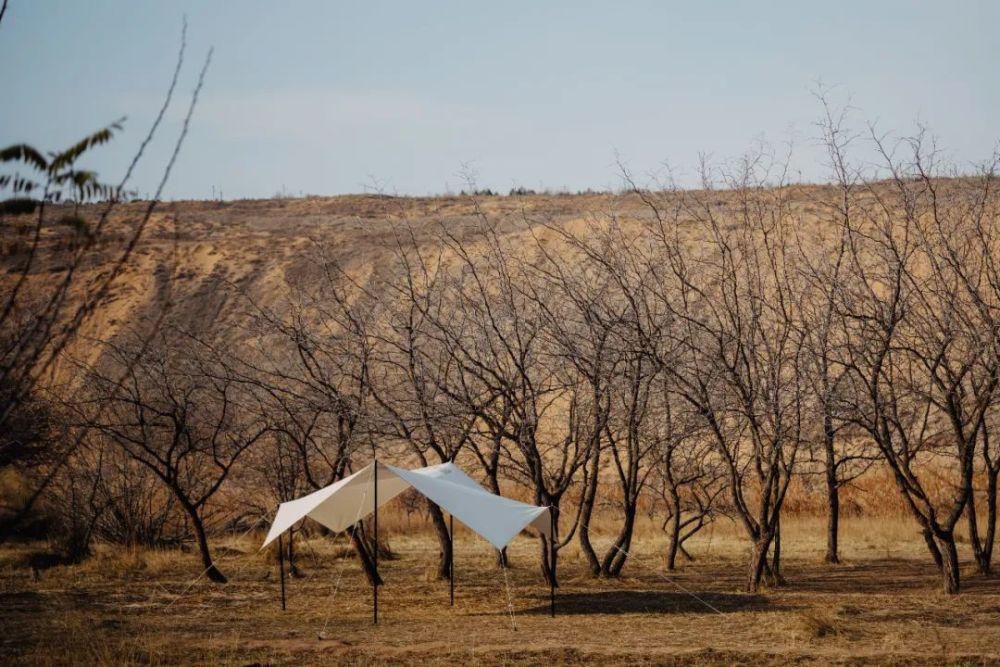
[{"x": 338, "y": 506}]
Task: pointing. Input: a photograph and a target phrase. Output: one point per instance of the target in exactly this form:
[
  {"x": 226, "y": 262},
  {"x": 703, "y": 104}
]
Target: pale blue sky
[{"x": 327, "y": 97}]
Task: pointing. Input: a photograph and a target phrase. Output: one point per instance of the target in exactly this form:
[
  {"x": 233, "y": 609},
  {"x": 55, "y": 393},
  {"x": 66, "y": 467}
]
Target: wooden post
[
  {"x": 451, "y": 564},
  {"x": 281, "y": 570},
  {"x": 375, "y": 551},
  {"x": 552, "y": 561}
]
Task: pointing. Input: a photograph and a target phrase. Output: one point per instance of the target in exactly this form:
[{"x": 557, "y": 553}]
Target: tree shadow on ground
[
  {"x": 653, "y": 602},
  {"x": 882, "y": 576}
]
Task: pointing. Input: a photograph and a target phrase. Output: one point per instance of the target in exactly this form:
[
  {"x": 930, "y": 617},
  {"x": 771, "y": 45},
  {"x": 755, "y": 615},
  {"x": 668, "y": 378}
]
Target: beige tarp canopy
[{"x": 342, "y": 504}]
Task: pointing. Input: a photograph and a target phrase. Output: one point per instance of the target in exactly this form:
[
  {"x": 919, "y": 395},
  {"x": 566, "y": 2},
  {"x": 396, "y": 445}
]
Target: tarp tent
[
  {"x": 339, "y": 506},
  {"x": 342, "y": 504}
]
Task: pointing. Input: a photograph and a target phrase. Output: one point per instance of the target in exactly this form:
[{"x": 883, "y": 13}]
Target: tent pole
[
  {"x": 375, "y": 551},
  {"x": 281, "y": 570},
  {"x": 451, "y": 563},
  {"x": 552, "y": 562}
]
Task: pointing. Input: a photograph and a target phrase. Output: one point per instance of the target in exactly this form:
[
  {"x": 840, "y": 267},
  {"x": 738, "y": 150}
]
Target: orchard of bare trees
[{"x": 686, "y": 355}]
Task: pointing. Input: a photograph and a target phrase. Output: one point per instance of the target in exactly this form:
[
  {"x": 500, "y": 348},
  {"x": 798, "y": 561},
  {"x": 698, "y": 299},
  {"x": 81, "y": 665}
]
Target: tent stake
[
  {"x": 451, "y": 563},
  {"x": 375, "y": 554},
  {"x": 281, "y": 570},
  {"x": 552, "y": 562}
]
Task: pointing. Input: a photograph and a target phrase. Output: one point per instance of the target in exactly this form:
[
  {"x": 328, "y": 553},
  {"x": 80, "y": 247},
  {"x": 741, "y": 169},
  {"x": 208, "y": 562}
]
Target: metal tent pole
[
  {"x": 281, "y": 570},
  {"x": 375, "y": 554},
  {"x": 451, "y": 564},
  {"x": 552, "y": 562}
]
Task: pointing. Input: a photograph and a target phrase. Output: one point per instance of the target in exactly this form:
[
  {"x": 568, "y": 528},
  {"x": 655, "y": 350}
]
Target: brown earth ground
[{"x": 883, "y": 605}]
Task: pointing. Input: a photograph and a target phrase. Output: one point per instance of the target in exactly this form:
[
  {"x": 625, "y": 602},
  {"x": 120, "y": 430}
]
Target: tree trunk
[
  {"x": 949, "y": 570},
  {"x": 550, "y": 555},
  {"x": 675, "y": 531},
  {"x": 503, "y": 560},
  {"x": 549, "y": 560},
  {"x": 932, "y": 547},
  {"x": 293, "y": 569},
  {"x": 991, "y": 522},
  {"x": 587, "y": 509},
  {"x": 774, "y": 569},
  {"x": 758, "y": 562},
  {"x": 211, "y": 571},
  {"x": 833, "y": 525},
  {"x": 615, "y": 559},
  {"x": 364, "y": 555},
  {"x": 982, "y": 548},
  {"x": 444, "y": 540},
  {"x": 973, "y": 523},
  {"x": 832, "y": 495}
]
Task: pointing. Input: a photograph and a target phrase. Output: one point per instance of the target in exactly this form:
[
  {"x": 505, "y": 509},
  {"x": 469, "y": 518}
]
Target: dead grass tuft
[
  {"x": 849, "y": 611},
  {"x": 811, "y": 625}
]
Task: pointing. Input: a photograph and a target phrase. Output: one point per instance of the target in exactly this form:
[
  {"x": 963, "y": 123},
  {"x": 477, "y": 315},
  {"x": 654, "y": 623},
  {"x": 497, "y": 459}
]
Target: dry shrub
[
  {"x": 811, "y": 625},
  {"x": 121, "y": 561},
  {"x": 15, "y": 489}
]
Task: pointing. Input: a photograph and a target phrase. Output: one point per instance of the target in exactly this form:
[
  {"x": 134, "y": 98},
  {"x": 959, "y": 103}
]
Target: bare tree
[
  {"x": 687, "y": 475},
  {"x": 737, "y": 339},
  {"x": 959, "y": 234},
  {"x": 312, "y": 363},
  {"x": 844, "y": 455},
  {"x": 921, "y": 350},
  {"x": 983, "y": 543},
  {"x": 823, "y": 267},
  {"x": 502, "y": 349},
  {"x": 181, "y": 412},
  {"x": 630, "y": 443},
  {"x": 136, "y": 510},
  {"x": 584, "y": 318},
  {"x": 416, "y": 373}
]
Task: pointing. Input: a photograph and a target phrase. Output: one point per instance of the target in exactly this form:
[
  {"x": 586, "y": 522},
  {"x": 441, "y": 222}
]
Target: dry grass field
[{"x": 883, "y": 605}]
